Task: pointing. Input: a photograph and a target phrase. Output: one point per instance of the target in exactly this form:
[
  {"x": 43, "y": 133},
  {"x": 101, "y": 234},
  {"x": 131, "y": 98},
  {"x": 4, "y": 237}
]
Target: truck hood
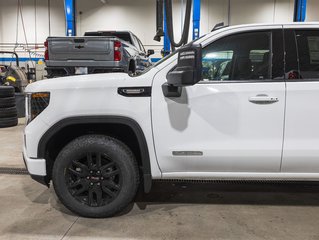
[{"x": 104, "y": 80}]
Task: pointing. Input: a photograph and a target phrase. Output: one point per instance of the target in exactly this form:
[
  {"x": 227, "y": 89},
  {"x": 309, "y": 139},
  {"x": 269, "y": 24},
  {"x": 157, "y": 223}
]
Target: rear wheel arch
[{"x": 64, "y": 131}]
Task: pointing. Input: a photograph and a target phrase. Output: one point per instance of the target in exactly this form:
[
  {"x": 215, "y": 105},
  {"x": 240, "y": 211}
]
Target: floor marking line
[{"x": 67, "y": 231}]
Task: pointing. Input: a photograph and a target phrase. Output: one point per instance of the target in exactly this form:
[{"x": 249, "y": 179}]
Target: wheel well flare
[{"x": 124, "y": 129}]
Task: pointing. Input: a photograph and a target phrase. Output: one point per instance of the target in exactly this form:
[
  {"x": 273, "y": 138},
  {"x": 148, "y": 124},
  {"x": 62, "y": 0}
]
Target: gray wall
[{"x": 137, "y": 16}]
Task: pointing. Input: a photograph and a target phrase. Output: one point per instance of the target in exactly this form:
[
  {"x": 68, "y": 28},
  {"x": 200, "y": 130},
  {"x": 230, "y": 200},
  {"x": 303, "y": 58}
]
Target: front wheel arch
[{"x": 94, "y": 124}]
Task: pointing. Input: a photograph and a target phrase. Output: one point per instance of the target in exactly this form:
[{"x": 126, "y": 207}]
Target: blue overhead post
[
  {"x": 167, "y": 43},
  {"x": 69, "y": 8},
  {"x": 196, "y": 18},
  {"x": 300, "y": 10}
]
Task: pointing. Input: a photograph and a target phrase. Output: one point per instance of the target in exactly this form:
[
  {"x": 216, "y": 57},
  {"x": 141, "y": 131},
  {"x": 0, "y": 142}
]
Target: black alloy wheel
[
  {"x": 94, "y": 180},
  {"x": 95, "y": 176}
]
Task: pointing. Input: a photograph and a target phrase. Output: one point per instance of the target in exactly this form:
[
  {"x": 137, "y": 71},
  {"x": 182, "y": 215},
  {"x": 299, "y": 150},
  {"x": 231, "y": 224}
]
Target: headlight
[{"x": 35, "y": 104}]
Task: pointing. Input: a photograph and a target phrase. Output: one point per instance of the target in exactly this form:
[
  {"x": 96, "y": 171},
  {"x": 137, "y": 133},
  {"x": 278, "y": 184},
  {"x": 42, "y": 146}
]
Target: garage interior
[{"x": 173, "y": 209}]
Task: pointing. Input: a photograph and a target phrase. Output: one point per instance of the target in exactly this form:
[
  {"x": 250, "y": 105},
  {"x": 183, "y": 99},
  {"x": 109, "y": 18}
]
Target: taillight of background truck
[
  {"x": 46, "y": 52},
  {"x": 117, "y": 51}
]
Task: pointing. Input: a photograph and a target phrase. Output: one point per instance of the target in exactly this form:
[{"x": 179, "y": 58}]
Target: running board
[{"x": 234, "y": 181}]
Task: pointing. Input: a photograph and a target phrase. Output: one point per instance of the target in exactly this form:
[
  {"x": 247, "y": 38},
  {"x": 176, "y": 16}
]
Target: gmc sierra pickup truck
[
  {"x": 240, "y": 103},
  {"x": 96, "y": 52}
]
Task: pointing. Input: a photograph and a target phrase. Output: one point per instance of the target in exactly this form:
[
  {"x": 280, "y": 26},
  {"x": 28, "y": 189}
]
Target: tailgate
[{"x": 80, "y": 48}]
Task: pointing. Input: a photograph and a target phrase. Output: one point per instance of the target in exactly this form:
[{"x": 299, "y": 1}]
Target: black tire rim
[{"x": 94, "y": 180}]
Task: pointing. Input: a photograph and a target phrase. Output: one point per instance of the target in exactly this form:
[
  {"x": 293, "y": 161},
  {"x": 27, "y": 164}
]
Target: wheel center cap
[{"x": 95, "y": 178}]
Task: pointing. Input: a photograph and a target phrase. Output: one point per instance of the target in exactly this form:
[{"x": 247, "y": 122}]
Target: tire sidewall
[
  {"x": 8, "y": 112},
  {"x": 118, "y": 152}
]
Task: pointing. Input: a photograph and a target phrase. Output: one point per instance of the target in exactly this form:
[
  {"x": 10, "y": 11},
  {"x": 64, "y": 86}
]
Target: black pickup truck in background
[{"x": 95, "y": 52}]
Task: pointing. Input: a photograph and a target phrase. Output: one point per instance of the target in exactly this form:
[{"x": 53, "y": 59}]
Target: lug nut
[
  {"x": 91, "y": 184},
  {"x": 87, "y": 177},
  {"x": 98, "y": 184}
]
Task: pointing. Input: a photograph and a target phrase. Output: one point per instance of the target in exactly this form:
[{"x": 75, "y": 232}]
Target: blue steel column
[
  {"x": 300, "y": 10},
  {"x": 196, "y": 18},
  {"x": 69, "y": 7},
  {"x": 167, "y": 43}
]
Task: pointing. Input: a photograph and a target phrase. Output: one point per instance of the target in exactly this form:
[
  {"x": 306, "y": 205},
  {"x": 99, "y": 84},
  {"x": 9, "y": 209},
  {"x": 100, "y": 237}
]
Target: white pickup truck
[{"x": 237, "y": 104}]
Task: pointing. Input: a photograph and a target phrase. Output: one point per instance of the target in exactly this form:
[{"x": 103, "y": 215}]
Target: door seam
[{"x": 284, "y": 128}]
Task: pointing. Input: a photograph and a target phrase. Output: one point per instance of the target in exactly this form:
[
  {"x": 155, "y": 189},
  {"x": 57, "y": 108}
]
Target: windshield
[
  {"x": 155, "y": 65},
  {"x": 165, "y": 58}
]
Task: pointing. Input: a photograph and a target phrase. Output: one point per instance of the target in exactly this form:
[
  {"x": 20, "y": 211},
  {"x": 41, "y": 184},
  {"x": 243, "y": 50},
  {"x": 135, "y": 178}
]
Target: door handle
[{"x": 263, "y": 99}]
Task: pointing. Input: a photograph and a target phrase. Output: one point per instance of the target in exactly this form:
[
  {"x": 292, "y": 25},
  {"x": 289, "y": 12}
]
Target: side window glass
[
  {"x": 136, "y": 44},
  {"x": 141, "y": 45},
  {"x": 216, "y": 65},
  {"x": 245, "y": 56},
  {"x": 308, "y": 53}
]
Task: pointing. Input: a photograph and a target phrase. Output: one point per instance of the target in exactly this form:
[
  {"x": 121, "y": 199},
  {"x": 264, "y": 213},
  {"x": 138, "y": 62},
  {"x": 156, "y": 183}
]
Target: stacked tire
[{"x": 8, "y": 110}]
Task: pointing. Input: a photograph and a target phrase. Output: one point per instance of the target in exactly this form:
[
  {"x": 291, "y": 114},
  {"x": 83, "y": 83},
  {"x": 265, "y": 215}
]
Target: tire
[
  {"x": 8, "y": 122},
  {"x": 7, "y": 102},
  {"x": 79, "y": 184},
  {"x": 6, "y": 91},
  {"x": 8, "y": 112}
]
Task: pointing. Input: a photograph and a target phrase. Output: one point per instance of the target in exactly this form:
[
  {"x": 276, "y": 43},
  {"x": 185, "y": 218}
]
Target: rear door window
[{"x": 308, "y": 53}]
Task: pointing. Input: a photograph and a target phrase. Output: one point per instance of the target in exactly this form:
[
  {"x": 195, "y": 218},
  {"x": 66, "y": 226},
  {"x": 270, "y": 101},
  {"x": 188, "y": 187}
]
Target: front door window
[{"x": 239, "y": 57}]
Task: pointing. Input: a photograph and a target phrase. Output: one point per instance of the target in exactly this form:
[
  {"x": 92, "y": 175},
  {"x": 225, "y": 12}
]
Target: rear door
[{"x": 301, "y": 137}]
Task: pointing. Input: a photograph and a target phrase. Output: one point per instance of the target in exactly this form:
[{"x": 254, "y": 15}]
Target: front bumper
[{"x": 35, "y": 166}]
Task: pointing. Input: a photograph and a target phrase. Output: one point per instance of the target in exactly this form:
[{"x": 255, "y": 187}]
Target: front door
[{"x": 232, "y": 121}]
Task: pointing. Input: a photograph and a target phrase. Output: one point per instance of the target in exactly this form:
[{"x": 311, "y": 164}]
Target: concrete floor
[
  {"x": 11, "y": 140},
  {"x": 173, "y": 210}
]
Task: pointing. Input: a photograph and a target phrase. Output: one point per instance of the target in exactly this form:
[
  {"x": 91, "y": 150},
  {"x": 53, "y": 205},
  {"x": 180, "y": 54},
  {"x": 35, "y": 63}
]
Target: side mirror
[
  {"x": 188, "y": 71},
  {"x": 150, "y": 52}
]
